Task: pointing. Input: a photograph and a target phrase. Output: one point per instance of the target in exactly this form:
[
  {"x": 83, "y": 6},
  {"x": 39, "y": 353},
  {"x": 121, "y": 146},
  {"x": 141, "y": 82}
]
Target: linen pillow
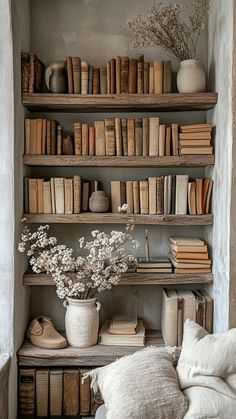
[{"x": 140, "y": 386}]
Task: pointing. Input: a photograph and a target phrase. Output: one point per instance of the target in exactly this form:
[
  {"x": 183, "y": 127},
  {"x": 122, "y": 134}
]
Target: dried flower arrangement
[
  {"x": 165, "y": 27},
  {"x": 79, "y": 277}
]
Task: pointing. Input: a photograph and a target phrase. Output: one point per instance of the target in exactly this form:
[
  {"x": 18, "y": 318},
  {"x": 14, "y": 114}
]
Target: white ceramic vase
[
  {"x": 191, "y": 77},
  {"x": 82, "y": 322}
]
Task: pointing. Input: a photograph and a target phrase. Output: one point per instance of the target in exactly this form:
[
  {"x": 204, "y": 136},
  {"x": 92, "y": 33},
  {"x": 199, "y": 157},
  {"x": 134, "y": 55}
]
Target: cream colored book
[
  {"x": 124, "y": 321},
  {"x": 154, "y": 123},
  {"x": 100, "y": 143},
  {"x": 77, "y": 193},
  {"x": 130, "y": 196},
  {"x": 118, "y": 137},
  {"x": 189, "y": 304},
  {"x": 52, "y": 187},
  {"x": 169, "y": 318},
  {"x": 138, "y": 137},
  {"x": 42, "y": 391},
  {"x": 152, "y": 194},
  {"x": 106, "y": 338},
  {"x": 131, "y": 136},
  {"x": 143, "y": 190},
  {"x": 56, "y": 385},
  {"x": 69, "y": 199},
  {"x": 181, "y": 197},
  {"x": 47, "y": 199},
  {"x": 40, "y": 195},
  {"x": 59, "y": 195},
  {"x": 145, "y": 136},
  {"x": 186, "y": 241},
  {"x": 162, "y": 135},
  {"x": 136, "y": 197},
  {"x": 84, "y": 77},
  {"x": 158, "y": 76}
]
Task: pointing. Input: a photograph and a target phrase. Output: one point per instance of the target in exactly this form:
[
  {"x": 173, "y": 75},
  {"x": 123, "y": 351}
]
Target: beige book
[
  {"x": 189, "y": 249},
  {"x": 136, "y": 197},
  {"x": 78, "y": 138},
  {"x": 192, "y": 198},
  {"x": 71, "y": 392},
  {"x": 33, "y": 196},
  {"x": 84, "y": 392},
  {"x": 154, "y": 123},
  {"x": 100, "y": 143},
  {"x": 27, "y": 136},
  {"x": 48, "y": 136},
  {"x": 85, "y": 196},
  {"x": 26, "y": 391},
  {"x": 106, "y": 338},
  {"x": 118, "y": 194},
  {"x": 52, "y": 187},
  {"x": 131, "y": 136},
  {"x": 59, "y": 195},
  {"x": 190, "y": 256},
  {"x": 118, "y": 75},
  {"x": 197, "y": 127},
  {"x": 205, "y": 262},
  {"x": 77, "y": 184},
  {"x": 189, "y": 304},
  {"x": 129, "y": 196},
  {"x": 169, "y": 319},
  {"x": 151, "y": 79},
  {"x": 145, "y": 136},
  {"x": 84, "y": 77},
  {"x": 33, "y": 147},
  {"x": 110, "y": 136},
  {"x": 103, "y": 80},
  {"x": 56, "y": 385},
  {"x": 195, "y": 136},
  {"x": 208, "y": 198},
  {"x": 40, "y": 196},
  {"x": 69, "y": 199},
  {"x": 124, "y": 136},
  {"x": 108, "y": 73},
  {"x": 152, "y": 193},
  {"x": 192, "y": 271},
  {"x": 158, "y": 76},
  {"x": 175, "y": 139},
  {"x": 169, "y": 194},
  {"x": 196, "y": 150},
  {"x": 124, "y": 321},
  {"x": 44, "y": 136},
  {"x": 119, "y": 140},
  {"x": 189, "y": 264},
  {"x": 194, "y": 143},
  {"x": 39, "y": 132},
  {"x": 180, "y": 321},
  {"x": 47, "y": 200},
  {"x": 166, "y": 194},
  {"x": 42, "y": 392},
  {"x": 138, "y": 137},
  {"x": 181, "y": 194},
  {"x": 76, "y": 69},
  {"x": 146, "y": 77},
  {"x": 162, "y": 138},
  {"x": 85, "y": 140},
  {"x": 186, "y": 241},
  {"x": 168, "y": 141},
  {"x": 59, "y": 140},
  {"x": 143, "y": 189}
]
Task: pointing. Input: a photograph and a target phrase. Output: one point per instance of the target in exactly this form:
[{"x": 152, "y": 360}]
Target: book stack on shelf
[
  {"x": 123, "y": 330},
  {"x": 189, "y": 255},
  {"x": 154, "y": 265},
  {"x": 180, "y": 305},
  {"x": 195, "y": 139}
]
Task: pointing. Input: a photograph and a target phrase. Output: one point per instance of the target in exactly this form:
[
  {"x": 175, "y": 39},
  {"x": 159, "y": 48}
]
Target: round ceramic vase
[
  {"x": 99, "y": 202},
  {"x": 191, "y": 77}
]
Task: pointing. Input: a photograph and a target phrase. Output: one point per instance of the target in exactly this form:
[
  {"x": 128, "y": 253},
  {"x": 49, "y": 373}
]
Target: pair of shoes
[{"x": 41, "y": 332}]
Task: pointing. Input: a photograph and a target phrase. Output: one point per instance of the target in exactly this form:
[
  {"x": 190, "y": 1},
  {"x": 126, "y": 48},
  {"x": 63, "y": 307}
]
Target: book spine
[
  {"x": 96, "y": 81},
  {"x": 91, "y": 141},
  {"x": 69, "y": 199},
  {"x": 84, "y": 77},
  {"x": 52, "y": 189},
  {"x": 153, "y": 136},
  {"x": 124, "y": 74},
  {"x": 71, "y": 392},
  {"x": 110, "y": 137},
  {"x": 32, "y": 72},
  {"x": 27, "y": 136},
  {"x": 167, "y": 80},
  {"x": 47, "y": 199},
  {"x": 143, "y": 188},
  {"x": 59, "y": 195},
  {"x": 39, "y": 135},
  {"x": 136, "y": 197},
  {"x": 124, "y": 136},
  {"x": 100, "y": 142},
  {"x": 140, "y": 75},
  {"x": 42, "y": 392},
  {"x": 25, "y": 69},
  {"x": 48, "y": 137},
  {"x": 158, "y": 76},
  {"x": 59, "y": 140},
  {"x": 84, "y": 394},
  {"x": 90, "y": 79},
  {"x": 54, "y": 138},
  {"x": 138, "y": 137},
  {"x": 27, "y": 392},
  {"x": 152, "y": 193},
  {"x": 160, "y": 195},
  {"x": 175, "y": 139},
  {"x": 173, "y": 193},
  {"x": 55, "y": 392},
  {"x": 145, "y": 136},
  {"x": 103, "y": 80},
  {"x": 151, "y": 79},
  {"x": 131, "y": 136},
  {"x": 78, "y": 138},
  {"x": 33, "y": 127},
  {"x": 85, "y": 140},
  {"x": 146, "y": 78},
  {"x": 26, "y": 195},
  {"x": 118, "y": 137},
  {"x": 68, "y": 145},
  {"x": 44, "y": 136},
  {"x": 129, "y": 196},
  {"x": 162, "y": 134},
  {"x": 69, "y": 69},
  {"x": 33, "y": 196},
  {"x": 108, "y": 77},
  {"x": 113, "y": 76},
  {"x": 118, "y": 75},
  {"x": 77, "y": 185},
  {"x": 168, "y": 141},
  {"x": 40, "y": 205},
  {"x": 85, "y": 195},
  {"x": 76, "y": 68},
  {"x": 132, "y": 75}
]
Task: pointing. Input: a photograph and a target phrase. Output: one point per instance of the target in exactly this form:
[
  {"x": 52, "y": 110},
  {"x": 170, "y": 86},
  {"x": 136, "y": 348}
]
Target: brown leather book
[
  {"x": 85, "y": 140},
  {"x": 78, "y": 138},
  {"x": 44, "y": 136},
  {"x": 40, "y": 205},
  {"x": 154, "y": 136},
  {"x": 132, "y": 75},
  {"x": 33, "y": 130},
  {"x": 47, "y": 199},
  {"x": 96, "y": 81},
  {"x": 69, "y": 69},
  {"x": 84, "y": 394},
  {"x": 131, "y": 136},
  {"x": 152, "y": 193},
  {"x": 84, "y": 77},
  {"x": 118, "y": 194},
  {"x": 168, "y": 141},
  {"x": 138, "y": 136},
  {"x": 100, "y": 142},
  {"x": 90, "y": 79},
  {"x": 42, "y": 392},
  {"x": 167, "y": 79},
  {"x": 124, "y": 74},
  {"x": 59, "y": 140},
  {"x": 118, "y": 75},
  {"x": 48, "y": 137},
  {"x": 124, "y": 136},
  {"x": 56, "y": 389},
  {"x": 103, "y": 80},
  {"x": 160, "y": 195},
  {"x": 54, "y": 138},
  {"x": 158, "y": 76},
  {"x": 85, "y": 195},
  {"x": 143, "y": 190},
  {"x": 76, "y": 69},
  {"x": 113, "y": 75},
  {"x": 33, "y": 196},
  {"x": 27, "y": 391},
  {"x": 91, "y": 141},
  {"x": 32, "y": 59},
  {"x": 26, "y": 195},
  {"x": 68, "y": 145},
  {"x": 39, "y": 75},
  {"x": 199, "y": 195},
  {"x": 151, "y": 79},
  {"x": 70, "y": 392},
  {"x": 108, "y": 77},
  {"x": 175, "y": 139},
  {"x": 162, "y": 140},
  {"x": 140, "y": 74},
  {"x": 130, "y": 196},
  {"x": 110, "y": 136},
  {"x": 136, "y": 197},
  {"x": 25, "y": 68},
  {"x": 27, "y": 136},
  {"x": 118, "y": 137},
  {"x": 69, "y": 199},
  {"x": 77, "y": 189},
  {"x": 146, "y": 78},
  {"x": 145, "y": 136},
  {"x": 192, "y": 209}
]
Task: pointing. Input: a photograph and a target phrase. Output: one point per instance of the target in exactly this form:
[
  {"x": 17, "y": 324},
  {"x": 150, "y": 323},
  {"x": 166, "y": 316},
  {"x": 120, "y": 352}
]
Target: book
[
  {"x": 200, "y": 308},
  {"x": 33, "y": 196},
  {"x": 195, "y": 136},
  {"x": 131, "y": 136},
  {"x": 27, "y": 391},
  {"x": 160, "y": 195},
  {"x": 69, "y": 69},
  {"x": 32, "y": 59},
  {"x": 190, "y": 256},
  {"x": 154, "y": 136},
  {"x": 136, "y": 197},
  {"x": 106, "y": 338},
  {"x": 192, "y": 271},
  {"x": 68, "y": 145},
  {"x": 113, "y": 75},
  {"x": 124, "y": 74},
  {"x": 26, "y": 195},
  {"x": 69, "y": 199},
  {"x": 118, "y": 194},
  {"x": 181, "y": 194},
  {"x": 54, "y": 137},
  {"x": 108, "y": 73},
  {"x": 190, "y": 261},
  {"x": 186, "y": 241},
  {"x": 169, "y": 194},
  {"x": 196, "y": 150},
  {"x": 76, "y": 69},
  {"x": 59, "y": 195},
  {"x": 110, "y": 136},
  {"x": 180, "y": 321},
  {"x": 196, "y": 127},
  {"x": 132, "y": 75},
  {"x": 124, "y": 136},
  {"x": 77, "y": 189},
  {"x": 143, "y": 188},
  {"x": 194, "y": 143},
  {"x": 85, "y": 195},
  {"x": 44, "y": 135},
  {"x": 199, "y": 192},
  {"x": 48, "y": 136},
  {"x": 154, "y": 270},
  {"x": 145, "y": 136},
  {"x": 27, "y": 136},
  {"x": 25, "y": 68},
  {"x": 118, "y": 74},
  {"x": 151, "y": 79},
  {"x": 192, "y": 208},
  {"x": 85, "y": 139},
  {"x": 158, "y": 76},
  {"x": 160, "y": 262},
  {"x": 118, "y": 135},
  {"x": 103, "y": 80},
  {"x": 95, "y": 402},
  {"x": 96, "y": 81},
  {"x": 208, "y": 310},
  {"x": 189, "y": 248},
  {"x": 100, "y": 144},
  {"x": 59, "y": 140},
  {"x": 90, "y": 79},
  {"x": 91, "y": 141},
  {"x": 162, "y": 134},
  {"x": 52, "y": 188},
  {"x": 78, "y": 138},
  {"x": 208, "y": 198},
  {"x": 42, "y": 392},
  {"x": 84, "y": 77},
  {"x": 152, "y": 193},
  {"x": 129, "y": 196},
  {"x": 70, "y": 392},
  {"x": 173, "y": 193},
  {"x": 47, "y": 199},
  {"x": 175, "y": 139},
  {"x": 167, "y": 77},
  {"x": 166, "y": 194},
  {"x": 33, "y": 140},
  {"x": 169, "y": 319},
  {"x": 138, "y": 137},
  {"x": 188, "y": 265},
  {"x": 140, "y": 74},
  {"x": 146, "y": 78},
  {"x": 39, "y": 196},
  {"x": 55, "y": 392},
  {"x": 84, "y": 393},
  {"x": 124, "y": 321}
]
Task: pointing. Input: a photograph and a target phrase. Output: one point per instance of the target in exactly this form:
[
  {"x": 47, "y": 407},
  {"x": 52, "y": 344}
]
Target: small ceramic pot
[
  {"x": 99, "y": 202},
  {"x": 56, "y": 78},
  {"x": 191, "y": 77}
]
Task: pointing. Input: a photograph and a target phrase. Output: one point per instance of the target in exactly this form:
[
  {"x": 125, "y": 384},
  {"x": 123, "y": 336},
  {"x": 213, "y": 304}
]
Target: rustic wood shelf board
[
  {"x": 116, "y": 161},
  {"x": 109, "y": 218},
  {"x": 29, "y": 278},
  {"x": 124, "y": 102},
  {"x": 98, "y": 355}
]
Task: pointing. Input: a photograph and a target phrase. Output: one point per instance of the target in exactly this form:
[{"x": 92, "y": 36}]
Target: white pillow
[{"x": 141, "y": 386}]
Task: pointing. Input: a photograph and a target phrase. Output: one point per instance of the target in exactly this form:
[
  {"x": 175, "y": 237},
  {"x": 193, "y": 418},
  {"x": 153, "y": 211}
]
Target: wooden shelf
[
  {"x": 30, "y": 278},
  {"x": 98, "y": 355},
  {"x": 124, "y": 161},
  {"x": 109, "y": 218},
  {"x": 124, "y": 102}
]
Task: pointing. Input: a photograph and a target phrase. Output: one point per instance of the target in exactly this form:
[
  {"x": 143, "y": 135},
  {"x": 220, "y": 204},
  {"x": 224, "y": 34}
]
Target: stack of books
[
  {"x": 123, "y": 330},
  {"x": 189, "y": 255},
  {"x": 154, "y": 265},
  {"x": 195, "y": 139},
  {"x": 32, "y": 73}
]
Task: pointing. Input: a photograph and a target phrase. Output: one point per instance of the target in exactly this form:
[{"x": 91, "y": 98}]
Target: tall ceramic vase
[
  {"x": 82, "y": 322},
  {"x": 191, "y": 77}
]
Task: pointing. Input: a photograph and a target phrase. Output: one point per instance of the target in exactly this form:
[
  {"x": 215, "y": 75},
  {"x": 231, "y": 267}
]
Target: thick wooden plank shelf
[
  {"x": 30, "y": 278},
  {"x": 109, "y": 218},
  {"x": 125, "y": 102},
  {"x": 124, "y": 161},
  {"x": 98, "y": 355}
]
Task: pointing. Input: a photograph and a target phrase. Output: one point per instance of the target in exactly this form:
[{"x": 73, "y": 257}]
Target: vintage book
[
  {"x": 195, "y": 136},
  {"x": 113, "y": 76},
  {"x": 154, "y": 123},
  {"x": 118, "y": 74},
  {"x": 162, "y": 135},
  {"x": 59, "y": 140},
  {"x": 91, "y": 141},
  {"x": 195, "y": 143},
  {"x": 118, "y": 137},
  {"x": 96, "y": 81},
  {"x": 90, "y": 79},
  {"x": 122, "y": 331},
  {"x": 160, "y": 195},
  {"x": 145, "y": 136},
  {"x": 199, "y": 192},
  {"x": 78, "y": 138},
  {"x": 71, "y": 392},
  {"x": 106, "y": 338},
  {"x": 53, "y": 137},
  {"x": 85, "y": 195},
  {"x": 189, "y": 249},
  {"x": 100, "y": 142},
  {"x": 131, "y": 136},
  {"x": 208, "y": 199},
  {"x": 33, "y": 133},
  {"x": 175, "y": 139},
  {"x": 166, "y": 194},
  {"x": 167, "y": 80},
  {"x": 151, "y": 79},
  {"x": 143, "y": 190},
  {"x": 140, "y": 74},
  {"x": 26, "y": 195},
  {"x": 181, "y": 194},
  {"x": 69, "y": 199},
  {"x": 152, "y": 193},
  {"x": 196, "y": 127},
  {"x": 198, "y": 262},
  {"x": 103, "y": 80},
  {"x": 68, "y": 145},
  {"x": 69, "y": 69},
  {"x": 138, "y": 136},
  {"x": 48, "y": 136},
  {"x": 160, "y": 262},
  {"x": 39, "y": 135},
  {"x": 169, "y": 320},
  {"x": 27, "y": 136},
  {"x": 154, "y": 270},
  {"x": 42, "y": 391},
  {"x": 180, "y": 321},
  {"x": 27, "y": 391},
  {"x": 158, "y": 76},
  {"x": 189, "y": 264},
  {"x": 59, "y": 195},
  {"x": 186, "y": 241},
  {"x": 77, "y": 185},
  {"x": 33, "y": 196},
  {"x": 190, "y": 256},
  {"x": 56, "y": 390},
  {"x": 25, "y": 68},
  {"x": 84, "y": 393},
  {"x": 39, "y": 75},
  {"x": 132, "y": 75},
  {"x": 173, "y": 193},
  {"x": 76, "y": 69},
  {"x": 52, "y": 188},
  {"x": 124, "y": 136},
  {"x": 110, "y": 137},
  {"x": 130, "y": 196},
  {"x": 124, "y": 74},
  {"x": 32, "y": 60},
  {"x": 85, "y": 140},
  {"x": 47, "y": 200},
  {"x": 84, "y": 77},
  {"x": 192, "y": 271},
  {"x": 96, "y": 401},
  {"x": 208, "y": 310},
  {"x": 44, "y": 139},
  {"x": 123, "y": 321},
  {"x": 205, "y": 187},
  {"x": 192, "y": 208},
  {"x": 200, "y": 308},
  {"x": 169, "y": 194},
  {"x": 108, "y": 73},
  {"x": 146, "y": 78},
  {"x": 195, "y": 150},
  {"x": 136, "y": 197},
  {"x": 118, "y": 194}
]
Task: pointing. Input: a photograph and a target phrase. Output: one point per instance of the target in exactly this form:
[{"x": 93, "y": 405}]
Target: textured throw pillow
[
  {"x": 141, "y": 386},
  {"x": 207, "y": 372}
]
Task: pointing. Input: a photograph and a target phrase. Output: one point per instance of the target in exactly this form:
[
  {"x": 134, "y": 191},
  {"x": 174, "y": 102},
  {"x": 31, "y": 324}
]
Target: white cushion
[{"x": 140, "y": 386}]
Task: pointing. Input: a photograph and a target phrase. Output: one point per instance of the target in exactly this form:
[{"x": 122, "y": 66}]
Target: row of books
[
  {"x": 195, "y": 139},
  {"x": 45, "y": 392},
  {"x": 180, "y": 305},
  {"x": 32, "y": 73},
  {"x": 171, "y": 194},
  {"x": 189, "y": 255}
]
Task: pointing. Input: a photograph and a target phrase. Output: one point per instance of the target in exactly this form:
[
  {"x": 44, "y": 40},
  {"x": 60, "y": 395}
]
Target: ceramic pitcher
[
  {"x": 191, "y": 77},
  {"x": 56, "y": 78}
]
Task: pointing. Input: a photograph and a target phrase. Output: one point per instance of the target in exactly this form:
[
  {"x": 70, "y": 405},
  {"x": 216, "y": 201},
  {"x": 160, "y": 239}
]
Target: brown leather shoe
[{"x": 41, "y": 332}]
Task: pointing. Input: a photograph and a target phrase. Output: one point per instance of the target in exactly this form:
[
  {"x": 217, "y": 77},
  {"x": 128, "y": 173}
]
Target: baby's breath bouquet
[{"x": 79, "y": 277}]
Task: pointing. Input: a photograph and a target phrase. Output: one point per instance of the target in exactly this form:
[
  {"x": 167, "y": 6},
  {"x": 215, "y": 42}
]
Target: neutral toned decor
[
  {"x": 191, "y": 77},
  {"x": 56, "y": 78},
  {"x": 99, "y": 202},
  {"x": 42, "y": 332}
]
